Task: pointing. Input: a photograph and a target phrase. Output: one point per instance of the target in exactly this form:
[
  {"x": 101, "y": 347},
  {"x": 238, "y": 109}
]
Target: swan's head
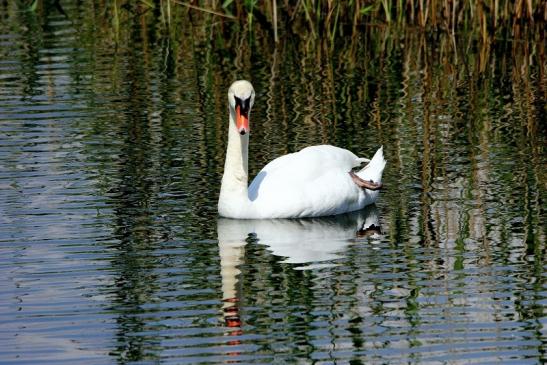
[{"x": 241, "y": 97}]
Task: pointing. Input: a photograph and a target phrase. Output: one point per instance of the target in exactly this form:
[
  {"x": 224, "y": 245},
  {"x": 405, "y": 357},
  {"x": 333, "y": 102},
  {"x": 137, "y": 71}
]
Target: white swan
[{"x": 316, "y": 181}]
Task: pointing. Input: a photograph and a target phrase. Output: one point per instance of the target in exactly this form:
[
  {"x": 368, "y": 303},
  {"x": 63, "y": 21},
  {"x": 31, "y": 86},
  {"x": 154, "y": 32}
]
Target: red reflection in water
[{"x": 232, "y": 319}]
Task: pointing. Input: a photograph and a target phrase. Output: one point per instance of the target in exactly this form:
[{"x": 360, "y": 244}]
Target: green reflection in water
[{"x": 463, "y": 223}]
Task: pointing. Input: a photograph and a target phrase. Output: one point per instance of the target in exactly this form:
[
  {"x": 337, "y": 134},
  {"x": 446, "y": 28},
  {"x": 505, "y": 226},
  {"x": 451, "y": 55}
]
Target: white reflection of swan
[{"x": 300, "y": 241}]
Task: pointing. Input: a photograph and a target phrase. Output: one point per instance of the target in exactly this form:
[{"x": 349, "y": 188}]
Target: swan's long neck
[{"x": 234, "y": 190}]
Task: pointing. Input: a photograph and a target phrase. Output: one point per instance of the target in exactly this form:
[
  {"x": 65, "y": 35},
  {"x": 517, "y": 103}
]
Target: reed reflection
[{"x": 460, "y": 265}]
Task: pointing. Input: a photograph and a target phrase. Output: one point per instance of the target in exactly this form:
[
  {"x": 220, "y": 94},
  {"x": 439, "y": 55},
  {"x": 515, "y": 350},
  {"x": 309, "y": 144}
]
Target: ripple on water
[{"x": 112, "y": 252}]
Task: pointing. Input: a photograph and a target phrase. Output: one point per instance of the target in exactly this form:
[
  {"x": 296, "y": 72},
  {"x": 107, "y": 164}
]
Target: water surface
[{"x": 110, "y": 164}]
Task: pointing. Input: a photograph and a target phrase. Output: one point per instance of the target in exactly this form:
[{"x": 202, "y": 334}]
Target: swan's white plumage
[{"x": 310, "y": 183}]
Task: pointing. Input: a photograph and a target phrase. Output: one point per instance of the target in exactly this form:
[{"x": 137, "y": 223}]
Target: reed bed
[
  {"x": 317, "y": 18},
  {"x": 331, "y": 19}
]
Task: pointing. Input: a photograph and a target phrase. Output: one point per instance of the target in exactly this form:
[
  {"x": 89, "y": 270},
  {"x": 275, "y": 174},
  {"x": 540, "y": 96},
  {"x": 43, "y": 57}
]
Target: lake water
[{"x": 111, "y": 250}]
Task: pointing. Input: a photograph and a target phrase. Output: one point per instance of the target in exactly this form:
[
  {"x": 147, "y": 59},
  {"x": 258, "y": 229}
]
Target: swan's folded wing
[
  {"x": 311, "y": 162},
  {"x": 315, "y": 178}
]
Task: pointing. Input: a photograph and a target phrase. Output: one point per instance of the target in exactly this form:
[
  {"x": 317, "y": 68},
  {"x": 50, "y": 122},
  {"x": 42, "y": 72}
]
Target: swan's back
[
  {"x": 311, "y": 182},
  {"x": 308, "y": 163}
]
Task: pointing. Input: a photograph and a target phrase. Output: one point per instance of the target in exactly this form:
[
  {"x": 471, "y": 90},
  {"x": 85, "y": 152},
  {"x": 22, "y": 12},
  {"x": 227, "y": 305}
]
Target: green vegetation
[{"x": 331, "y": 19}]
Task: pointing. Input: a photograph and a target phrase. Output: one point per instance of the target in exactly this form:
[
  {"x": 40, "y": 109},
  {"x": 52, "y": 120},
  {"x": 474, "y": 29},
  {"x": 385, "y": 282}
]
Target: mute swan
[{"x": 316, "y": 181}]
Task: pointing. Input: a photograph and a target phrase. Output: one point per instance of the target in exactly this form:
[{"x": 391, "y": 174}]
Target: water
[{"x": 111, "y": 249}]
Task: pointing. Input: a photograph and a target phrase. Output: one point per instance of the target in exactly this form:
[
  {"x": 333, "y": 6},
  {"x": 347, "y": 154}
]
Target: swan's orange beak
[{"x": 242, "y": 121}]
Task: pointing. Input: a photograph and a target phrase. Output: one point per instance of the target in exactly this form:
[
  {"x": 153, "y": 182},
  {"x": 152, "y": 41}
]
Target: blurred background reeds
[{"x": 311, "y": 19}]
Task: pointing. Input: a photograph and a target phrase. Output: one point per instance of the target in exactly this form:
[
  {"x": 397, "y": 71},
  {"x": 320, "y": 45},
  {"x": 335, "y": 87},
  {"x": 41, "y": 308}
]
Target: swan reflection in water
[{"x": 308, "y": 242}]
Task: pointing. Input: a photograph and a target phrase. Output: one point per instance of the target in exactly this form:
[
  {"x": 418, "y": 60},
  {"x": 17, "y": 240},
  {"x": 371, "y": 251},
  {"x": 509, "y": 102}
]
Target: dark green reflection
[{"x": 127, "y": 128}]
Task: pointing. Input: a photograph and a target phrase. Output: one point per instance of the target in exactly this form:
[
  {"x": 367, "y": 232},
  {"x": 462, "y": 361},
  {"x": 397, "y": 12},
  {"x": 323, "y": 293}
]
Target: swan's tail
[{"x": 373, "y": 171}]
